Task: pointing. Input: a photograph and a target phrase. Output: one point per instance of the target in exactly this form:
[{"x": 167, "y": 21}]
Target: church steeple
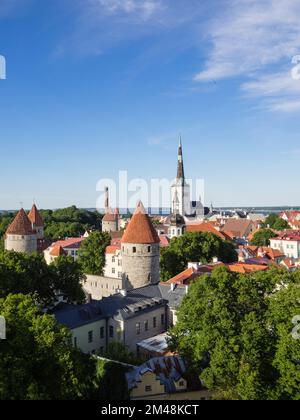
[{"x": 180, "y": 166}]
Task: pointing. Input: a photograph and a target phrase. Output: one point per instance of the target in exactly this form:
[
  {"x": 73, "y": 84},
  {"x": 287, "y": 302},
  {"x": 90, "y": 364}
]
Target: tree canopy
[
  {"x": 262, "y": 237},
  {"x": 91, "y": 255},
  {"x": 236, "y": 331},
  {"x": 29, "y": 274},
  {"x": 273, "y": 221},
  {"x": 37, "y": 360},
  {"x": 194, "y": 247}
]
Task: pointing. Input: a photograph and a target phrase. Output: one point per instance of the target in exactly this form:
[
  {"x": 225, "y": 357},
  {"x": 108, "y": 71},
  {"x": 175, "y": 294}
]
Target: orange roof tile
[
  {"x": 140, "y": 230},
  {"x": 35, "y": 217},
  {"x": 206, "y": 227},
  {"x": 21, "y": 225},
  {"x": 57, "y": 251}
]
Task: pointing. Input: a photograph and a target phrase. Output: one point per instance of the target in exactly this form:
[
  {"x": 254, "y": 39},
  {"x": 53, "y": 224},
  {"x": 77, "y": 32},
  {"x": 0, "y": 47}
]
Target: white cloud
[
  {"x": 251, "y": 39},
  {"x": 143, "y": 8}
]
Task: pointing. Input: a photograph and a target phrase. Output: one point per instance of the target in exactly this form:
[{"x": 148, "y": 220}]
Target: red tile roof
[
  {"x": 206, "y": 227},
  {"x": 70, "y": 243},
  {"x": 21, "y": 225},
  {"x": 57, "y": 251},
  {"x": 112, "y": 249},
  {"x": 291, "y": 235},
  {"x": 35, "y": 217},
  {"x": 140, "y": 230}
]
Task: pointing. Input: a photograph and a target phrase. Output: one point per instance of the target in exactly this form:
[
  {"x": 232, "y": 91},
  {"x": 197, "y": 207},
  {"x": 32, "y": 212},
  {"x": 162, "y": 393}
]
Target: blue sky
[{"x": 97, "y": 86}]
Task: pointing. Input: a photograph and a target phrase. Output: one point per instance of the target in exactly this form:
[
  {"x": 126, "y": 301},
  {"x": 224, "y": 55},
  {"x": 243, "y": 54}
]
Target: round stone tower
[
  {"x": 140, "y": 251},
  {"x": 111, "y": 221},
  {"x": 20, "y": 236},
  {"x": 36, "y": 222}
]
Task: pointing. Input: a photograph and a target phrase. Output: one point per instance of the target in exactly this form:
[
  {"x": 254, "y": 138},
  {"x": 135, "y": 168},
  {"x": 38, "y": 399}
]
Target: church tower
[
  {"x": 180, "y": 190},
  {"x": 140, "y": 251}
]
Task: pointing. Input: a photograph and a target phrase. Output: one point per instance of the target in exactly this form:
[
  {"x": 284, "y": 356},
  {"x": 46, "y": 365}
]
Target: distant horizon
[{"x": 102, "y": 211}]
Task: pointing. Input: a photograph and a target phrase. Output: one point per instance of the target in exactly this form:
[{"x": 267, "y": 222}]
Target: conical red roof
[
  {"x": 35, "y": 217},
  {"x": 140, "y": 229},
  {"x": 21, "y": 225}
]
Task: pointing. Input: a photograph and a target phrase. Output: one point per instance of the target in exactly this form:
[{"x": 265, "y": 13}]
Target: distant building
[
  {"x": 288, "y": 243},
  {"x": 69, "y": 246},
  {"x": 181, "y": 193},
  {"x": 25, "y": 233}
]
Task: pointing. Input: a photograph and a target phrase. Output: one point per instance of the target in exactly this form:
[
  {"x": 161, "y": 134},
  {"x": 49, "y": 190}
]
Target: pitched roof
[
  {"x": 57, "y": 251},
  {"x": 206, "y": 227},
  {"x": 140, "y": 230},
  {"x": 72, "y": 243},
  {"x": 35, "y": 217},
  {"x": 239, "y": 228},
  {"x": 21, "y": 225}
]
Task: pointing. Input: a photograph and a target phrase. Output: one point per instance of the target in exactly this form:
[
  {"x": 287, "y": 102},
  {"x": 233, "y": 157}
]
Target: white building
[{"x": 288, "y": 243}]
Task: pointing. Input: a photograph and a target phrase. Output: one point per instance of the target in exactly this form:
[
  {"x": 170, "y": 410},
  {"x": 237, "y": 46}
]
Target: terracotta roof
[
  {"x": 109, "y": 217},
  {"x": 35, "y": 217},
  {"x": 164, "y": 241},
  {"x": 112, "y": 249},
  {"x": 206, "y": 227},
  {"x": 239, "y": 228},
  {"x": 73, "y": 243},
  {"x": 246, "y": 268},
  {"x": 288, "y": 235},
  {"x": 21, "y": 225},
  {"x": 57, "y": 251},
  {"x": 140, "y": 230}
]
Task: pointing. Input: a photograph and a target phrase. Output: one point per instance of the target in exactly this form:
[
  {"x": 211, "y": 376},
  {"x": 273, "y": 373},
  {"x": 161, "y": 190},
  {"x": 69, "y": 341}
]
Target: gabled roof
[
  {"x": 21, "y": 225},
  {"x": 140, "y": 230},
  {"x": 206, "y": 227},
  {"x": 72, "y": 243},
  {"x": 35, "y": 217},
  {"x": 57, "y": 251},
  {"x": 239, "y": 228}
]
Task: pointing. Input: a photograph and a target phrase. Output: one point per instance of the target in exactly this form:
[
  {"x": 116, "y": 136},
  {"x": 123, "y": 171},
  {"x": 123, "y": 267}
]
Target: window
[
  {"x": 101, "y": 350},
  {"x": 90, "y": 336},
  {"x": 138, "y": 328},
  {"x": 154, "y": 322},
  {"x": 113, "y": 259},
  {"x": 75, "y": 342},
  {"x": 181, "y": 384},
  {"x": 120, "y": 274},
  {"x": 102, "y": 332},
  {"x": 111, "y": 331},
  {"x": 162, "y": 319},
  {"x": 146, "y": 325},
  {"x": 134, "y": 249},
  {"x": 149, "y": 248},
  {"x": 148, "y": 388},
  {"x": 113, "y": 270},
  {"x": 119, "y": 263}
]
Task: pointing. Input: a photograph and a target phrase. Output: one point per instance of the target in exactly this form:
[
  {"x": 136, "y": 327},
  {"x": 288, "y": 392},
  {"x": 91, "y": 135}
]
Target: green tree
[
  {"x": 29, "y": 274},
  {"x": 111, "y": 381},
  {"x": 262, "y": 237},
  {"x": 194, "y": 247},
  {"x": 92, "y": 253},
  {"x": 273, "y": 221},
  {"x": 232, "y": 338},
  {"x": 37, "y": 360},
  {"x": 68, "y": 278}
]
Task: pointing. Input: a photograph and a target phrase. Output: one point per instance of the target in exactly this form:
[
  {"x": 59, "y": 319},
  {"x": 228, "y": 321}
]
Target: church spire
[{"x": 180, "y": 167}]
